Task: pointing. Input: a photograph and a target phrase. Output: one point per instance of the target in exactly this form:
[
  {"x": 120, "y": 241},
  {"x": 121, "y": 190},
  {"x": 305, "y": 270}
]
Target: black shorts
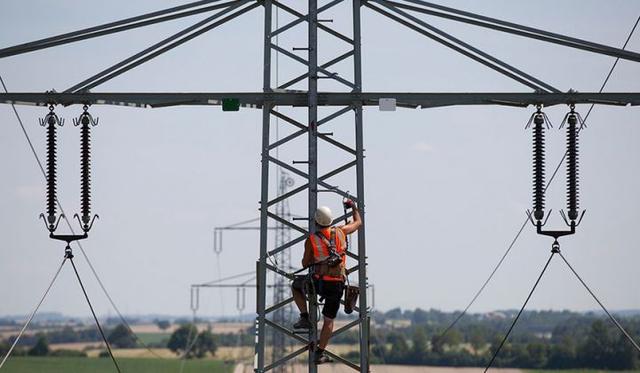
[{"x": 331, "y": 291}]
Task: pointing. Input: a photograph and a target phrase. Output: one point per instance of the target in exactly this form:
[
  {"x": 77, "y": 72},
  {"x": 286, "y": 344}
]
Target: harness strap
[{"x": 331, "y": 243}]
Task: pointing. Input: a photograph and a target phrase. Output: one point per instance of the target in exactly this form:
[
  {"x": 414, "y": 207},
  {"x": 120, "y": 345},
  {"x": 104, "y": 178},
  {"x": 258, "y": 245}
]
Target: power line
[
  {"x": 24, "y": 130},
  {"x": 189, "y": 344},
  {"x": 613, "y": 319},
  {"x": 486, "y": 282},
  {"x": 75, "y": 270},
  {"x": 495, "y": 269},
  {"x": 513, "y": 324},
  {"x": 33, "y": 313}
]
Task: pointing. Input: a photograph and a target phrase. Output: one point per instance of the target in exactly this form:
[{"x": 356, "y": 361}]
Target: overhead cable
[
  {"x": 515, "y": 320},
  {"x": 33, "y": 313},
  {"x": 86, "y": 296},
  {"x": 611, "y": 317}
]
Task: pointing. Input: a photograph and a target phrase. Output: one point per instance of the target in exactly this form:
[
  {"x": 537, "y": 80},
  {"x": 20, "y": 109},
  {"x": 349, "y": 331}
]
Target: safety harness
[{"x": 328, "y": 262}]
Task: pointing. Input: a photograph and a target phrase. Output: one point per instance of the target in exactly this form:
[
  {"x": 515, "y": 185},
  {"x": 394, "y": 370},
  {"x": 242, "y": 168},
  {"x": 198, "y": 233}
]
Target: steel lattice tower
[
  {"x": 281, "y": 291},
  {"x": 346, "y": 104},
  {"x": 314, "y": 181}
]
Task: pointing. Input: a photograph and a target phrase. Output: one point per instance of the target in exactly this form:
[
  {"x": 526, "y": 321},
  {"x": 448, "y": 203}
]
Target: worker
[{"x": 325, "y": 255}]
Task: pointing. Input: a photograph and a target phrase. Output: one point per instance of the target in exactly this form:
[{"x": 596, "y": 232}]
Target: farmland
[
  {"x": 81, "y": 365},
  {"x": 143, "y": 365}
]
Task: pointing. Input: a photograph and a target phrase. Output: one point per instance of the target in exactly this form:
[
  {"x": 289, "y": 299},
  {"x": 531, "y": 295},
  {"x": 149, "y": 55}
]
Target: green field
[
  {"x": 154, "y": 338},
  {"x": 100, "y": 365}
]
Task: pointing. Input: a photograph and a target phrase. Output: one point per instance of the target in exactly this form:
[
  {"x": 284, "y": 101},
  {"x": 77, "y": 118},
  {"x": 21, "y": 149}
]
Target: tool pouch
[
  {"x": 324, "y": 269},
  {"x": 350, "y": 298}
]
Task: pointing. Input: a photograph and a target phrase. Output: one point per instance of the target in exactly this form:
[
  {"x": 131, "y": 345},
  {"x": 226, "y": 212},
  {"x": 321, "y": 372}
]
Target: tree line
[{"x": 541, "y": 340}]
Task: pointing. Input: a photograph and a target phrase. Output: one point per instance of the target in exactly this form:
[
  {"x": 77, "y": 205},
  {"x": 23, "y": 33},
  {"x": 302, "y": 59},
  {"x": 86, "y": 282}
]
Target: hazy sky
[{"x": 446, "y": 189}]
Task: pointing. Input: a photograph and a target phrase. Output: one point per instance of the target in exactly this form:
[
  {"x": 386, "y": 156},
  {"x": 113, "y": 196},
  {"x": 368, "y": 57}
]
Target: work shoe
[
  {"x": 322, "y": 358},
  {"x": 302, "y": 323}
]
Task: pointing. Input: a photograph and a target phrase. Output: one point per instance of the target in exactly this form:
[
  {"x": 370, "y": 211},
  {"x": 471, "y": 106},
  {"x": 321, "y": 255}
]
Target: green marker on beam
[{"x": 230, "y": 104}]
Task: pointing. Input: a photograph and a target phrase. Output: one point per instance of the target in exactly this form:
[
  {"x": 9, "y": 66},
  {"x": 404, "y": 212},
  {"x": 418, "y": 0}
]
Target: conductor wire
[
  {"x": 513, "y": 324},
  {"x": 613, "y": 319},
  {"x": 104, "y": 338},
  {"x": 33, "y": 313}
]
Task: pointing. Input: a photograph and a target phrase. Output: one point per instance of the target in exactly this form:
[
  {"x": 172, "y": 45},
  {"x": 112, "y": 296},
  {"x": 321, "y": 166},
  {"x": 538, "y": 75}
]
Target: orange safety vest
[{"x": 321, "y": 241}]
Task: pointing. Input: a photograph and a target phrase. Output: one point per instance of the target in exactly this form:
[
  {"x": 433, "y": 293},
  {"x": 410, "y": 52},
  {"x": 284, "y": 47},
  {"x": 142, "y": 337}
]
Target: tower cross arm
[{"x": 297, "y": 98}]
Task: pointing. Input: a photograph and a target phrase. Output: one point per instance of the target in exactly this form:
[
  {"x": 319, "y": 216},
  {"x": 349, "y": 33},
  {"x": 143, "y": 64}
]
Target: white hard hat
[{"x": 323, "y": 216}]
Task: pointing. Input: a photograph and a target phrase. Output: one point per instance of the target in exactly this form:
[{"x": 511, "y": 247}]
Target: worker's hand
[{"x": 349, "y": 204}]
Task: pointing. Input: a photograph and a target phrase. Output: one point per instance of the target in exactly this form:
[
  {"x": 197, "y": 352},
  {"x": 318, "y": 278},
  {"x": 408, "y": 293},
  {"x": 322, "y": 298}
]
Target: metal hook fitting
[
  {"x": 581, "y": 216},
  {"x": 85, "y": 119},
  {"x": 52, "y": 227},
  {"x": 572, "y": 222},
  {"x": 529, "y": 214},
  {"x": 555, "y": 247},
  {"x": 51, "y": 119},
  {"x": 539, "y": 114},
  {"x": 86, "y": 227},
  {"x": 68, "y": 253}
]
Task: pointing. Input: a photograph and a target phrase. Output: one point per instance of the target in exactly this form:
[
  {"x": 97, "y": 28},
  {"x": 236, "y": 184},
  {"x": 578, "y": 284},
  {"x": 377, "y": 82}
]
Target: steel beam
[
  {"x": 163, "y": 46},
  {"x": 281, "y": 291},
  {"x": 303, "y": 129},
  {"x": 303, "y": 18},
  {"x": 304, "y": 187},
  {"x": 287, "y": 245},
  {"x": 261, "y": 296},
  {"x": 283, "y": 221},
  {"x": 295, "y": 99},
  {"x": 319, "y": 26},
  {"x": 301, "y": 60},
  {"x": 480, "y": 59},
  {"x": 363, "y": 312},
  {"x": 113, "y": 27},
  {"x": 279, "y": 305},
  {"x": 284, "y": 359},
  {"x": 324, "y": 66},
  {"x": 521, "y": 30},
  {"x": 278, "y": 270},
  {"x": 542, "y": 85},
  {"x": 312, "y": 146}
]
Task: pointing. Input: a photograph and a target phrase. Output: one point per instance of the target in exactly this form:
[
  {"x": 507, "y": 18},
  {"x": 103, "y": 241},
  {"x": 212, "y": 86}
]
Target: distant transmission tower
[{"x": 283, "y": 259}]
